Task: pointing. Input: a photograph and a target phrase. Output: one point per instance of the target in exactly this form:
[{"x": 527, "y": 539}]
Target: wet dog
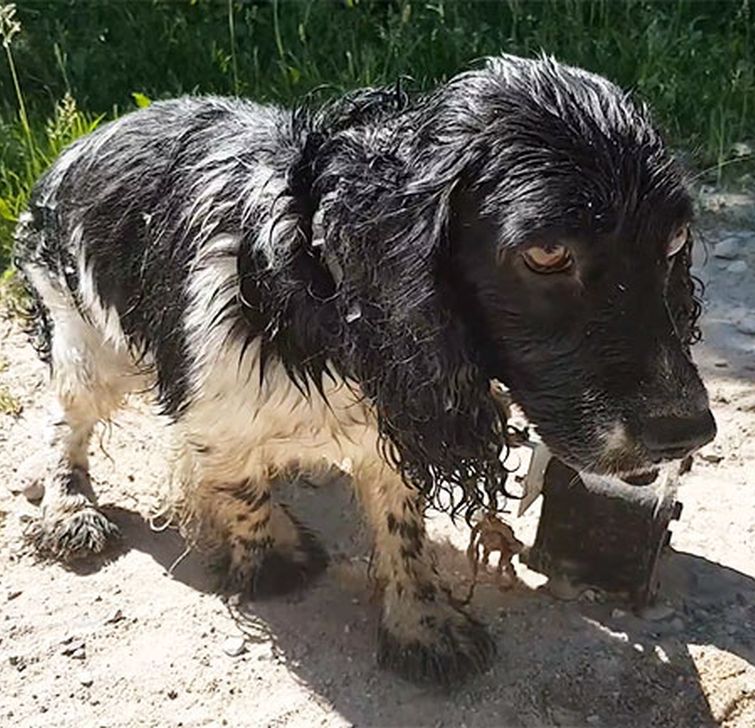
[{"x": 339, "y": 286}]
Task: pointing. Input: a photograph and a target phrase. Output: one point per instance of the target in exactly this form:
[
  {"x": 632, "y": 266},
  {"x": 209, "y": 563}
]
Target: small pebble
[
  {"x": 562, "y": 588},
  {"x": 711, "y": 456},
  {"x": 114, "y": 617},
  {"x": 592, "y": 595},
  {"x": 86, "y": 679},
  {"x": 738, "y": 266},
  {"x": 727, "y": 248},
  {"x": 746, "y": 325},
  {"x": 593, "y": 719},
  {"x": 74, "y": 647},
  {"x": 15, "y": 593},
  {"x": 234, "y": 646},
  {"x": 33, "y": 490},
  {"x": 657, "y": 612},
  {"x": 618, "y": 613}
]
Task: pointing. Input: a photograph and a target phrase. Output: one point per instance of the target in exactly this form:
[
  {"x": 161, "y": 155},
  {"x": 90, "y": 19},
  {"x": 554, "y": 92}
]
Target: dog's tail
[{"x": 33, "y": 313}]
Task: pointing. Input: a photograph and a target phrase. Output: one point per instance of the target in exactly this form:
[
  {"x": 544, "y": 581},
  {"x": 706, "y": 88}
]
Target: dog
[{"x": 338, "y": 286}]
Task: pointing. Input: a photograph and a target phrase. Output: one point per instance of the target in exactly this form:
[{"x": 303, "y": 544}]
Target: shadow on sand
[{"x": 559, "y": 663}]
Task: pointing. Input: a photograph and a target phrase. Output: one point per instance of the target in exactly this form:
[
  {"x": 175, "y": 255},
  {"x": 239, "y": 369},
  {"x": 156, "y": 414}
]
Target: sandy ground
[{"x": 142, "y": 641}]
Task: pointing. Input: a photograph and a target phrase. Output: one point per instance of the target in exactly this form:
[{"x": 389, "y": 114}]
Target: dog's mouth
[
  {"x": 626, "y": 467},
  {"x": 642, "y": 477},
  {"x": 631, "y": 465}
]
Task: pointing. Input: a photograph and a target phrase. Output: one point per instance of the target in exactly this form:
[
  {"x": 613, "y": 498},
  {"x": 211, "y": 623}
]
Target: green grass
[
  {"x": 27, "y": 150},
  {"x": 692, "y": 60}
]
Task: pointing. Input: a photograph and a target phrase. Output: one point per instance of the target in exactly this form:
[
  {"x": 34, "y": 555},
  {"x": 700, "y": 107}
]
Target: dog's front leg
[{"x": 422, "y": 635}]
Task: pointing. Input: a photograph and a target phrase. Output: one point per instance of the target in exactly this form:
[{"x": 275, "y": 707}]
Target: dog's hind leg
[
  {"x": 90, "y": 379},
  {"x": 423, "y": 634},
  {"x": 266, "y": 550}
]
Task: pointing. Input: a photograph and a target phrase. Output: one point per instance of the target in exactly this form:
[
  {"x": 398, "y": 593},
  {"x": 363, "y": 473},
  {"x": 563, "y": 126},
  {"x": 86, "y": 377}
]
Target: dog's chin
[{"x": 625, "y": 466}]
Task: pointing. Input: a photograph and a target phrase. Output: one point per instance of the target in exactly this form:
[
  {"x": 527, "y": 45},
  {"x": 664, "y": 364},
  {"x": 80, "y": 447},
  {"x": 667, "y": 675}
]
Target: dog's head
[
  {"x": 524, "y": 223},
  {"x": 574, "y": 238}
]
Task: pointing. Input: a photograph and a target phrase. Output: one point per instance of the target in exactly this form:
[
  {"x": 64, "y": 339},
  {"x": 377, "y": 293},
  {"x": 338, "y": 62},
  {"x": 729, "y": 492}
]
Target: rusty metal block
[{"x": 608, "y": 538}]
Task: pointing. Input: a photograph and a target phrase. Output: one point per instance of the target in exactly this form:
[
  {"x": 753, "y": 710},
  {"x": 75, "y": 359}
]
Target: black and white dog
[{"x": 339, "y": 287}]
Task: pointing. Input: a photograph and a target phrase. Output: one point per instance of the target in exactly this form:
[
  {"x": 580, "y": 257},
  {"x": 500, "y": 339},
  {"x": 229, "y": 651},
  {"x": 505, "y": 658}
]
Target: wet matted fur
[{"x": 339, "y": 286}]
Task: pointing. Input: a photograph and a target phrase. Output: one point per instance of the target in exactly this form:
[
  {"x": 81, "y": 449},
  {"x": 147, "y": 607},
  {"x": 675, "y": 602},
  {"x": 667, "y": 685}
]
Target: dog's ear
[
  {"x": 386, "y": 237},
  {"x": 684, "y": 296}
]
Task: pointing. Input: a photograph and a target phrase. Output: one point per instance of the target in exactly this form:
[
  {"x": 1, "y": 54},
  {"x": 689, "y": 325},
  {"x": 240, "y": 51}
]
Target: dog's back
[{"x": 117, "y": 223}]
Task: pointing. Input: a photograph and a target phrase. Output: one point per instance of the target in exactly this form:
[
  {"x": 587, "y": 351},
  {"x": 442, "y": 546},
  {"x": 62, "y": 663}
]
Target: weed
[{"x": 9, "y": 404}]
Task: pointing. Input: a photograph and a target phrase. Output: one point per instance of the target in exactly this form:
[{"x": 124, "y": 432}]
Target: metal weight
[{"x": 604, "y": 533}]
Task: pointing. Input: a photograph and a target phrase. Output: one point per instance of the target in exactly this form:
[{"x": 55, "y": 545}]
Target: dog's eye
[
  {"x": 677, "y": 241},
  {"x": 547, "y": 260}
]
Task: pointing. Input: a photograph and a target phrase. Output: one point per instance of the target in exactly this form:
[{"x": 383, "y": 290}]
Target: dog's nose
[{"x": 676, "y": 437}]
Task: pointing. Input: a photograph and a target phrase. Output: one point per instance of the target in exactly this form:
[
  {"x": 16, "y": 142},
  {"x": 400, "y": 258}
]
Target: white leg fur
[{"x": 90, "y": 379}]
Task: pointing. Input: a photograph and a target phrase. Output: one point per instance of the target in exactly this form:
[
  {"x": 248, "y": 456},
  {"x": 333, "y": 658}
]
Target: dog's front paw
[
  {"x": 71, "y": 535},
  {"x": 432, "y": 642}
]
